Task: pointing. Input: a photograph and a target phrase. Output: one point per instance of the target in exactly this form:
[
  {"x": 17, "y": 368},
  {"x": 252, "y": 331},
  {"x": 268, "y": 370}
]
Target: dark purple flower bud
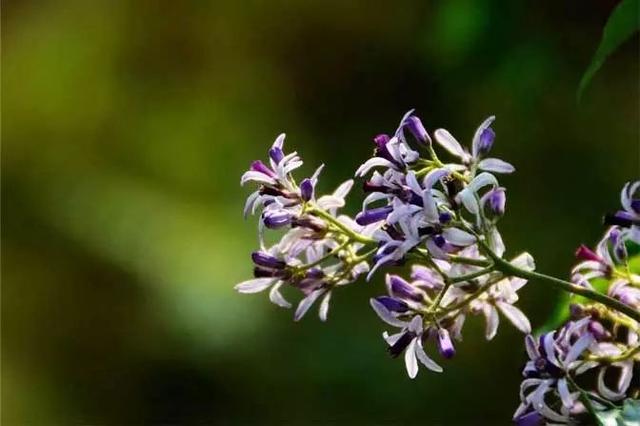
[
  {"x": 598, "y": 331},
  {"x": 261, "y": 258},
  {"x": 276, "y": 154},
  {"x": 403, "y": 290},
  {"x": 306, "y": 189},
  {"x": 392, "y": 304},
  {"x": 486, "y": 141},
  {"x": 416, "y": 128},
  {"x": 381, "y": 140},
  {"x": 439, "y": 240},
  {"x": 259, "y": 166},
  {"x": 635, "y": 205},
  {"x": 532, "y": 418},
  {"x": 585, "y": 253},
  {"x": 368, "y": 217},
  {"x": 619, "y": 218},
  {"x": 445, "y": 345},
  {"x": 401, "y": 344},
  {"x": 445, "y": 217},
  {"x": 275, "y": 220}
]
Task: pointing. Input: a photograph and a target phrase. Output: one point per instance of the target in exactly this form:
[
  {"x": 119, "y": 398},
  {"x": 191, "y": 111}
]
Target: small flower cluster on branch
[
  {"x": 440, "y": 217},
  {"x": 587, "y": 365}
]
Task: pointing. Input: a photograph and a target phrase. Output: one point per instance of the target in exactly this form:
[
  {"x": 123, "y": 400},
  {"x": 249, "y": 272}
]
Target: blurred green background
[{"x": 128, "y": 124}]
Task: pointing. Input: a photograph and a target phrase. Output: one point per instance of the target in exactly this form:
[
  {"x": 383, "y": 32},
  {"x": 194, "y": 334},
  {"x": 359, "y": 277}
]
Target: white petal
[
  {"x": 458, "y": 237},
  {"x": 276, "y": 297},
  {"x": 315, "y": 175},
  {"x": 251, "y": 201},
  {"x": 324, "y": 307},
  {"x": 371, "y": 163},
  {"x": 254, "y": 176},
  {"x": 448, "y": 142},
  {"x": 468, "y": 199},
  {"x": 482, "y": 180},
  {"x": 327, "y": 202},
  {"x": 344, "y": 188},
  {"x": 255, "y": 285},
  {"x": 415, "y": 326},
  {"x": 550, "y": 349},
  {"x": 385, "y": 315},
  {"x": 393, "y": 338},
  {"x": 491, "y": 316},
  {"x": 375, "y": 196},
  {"x": 306, "y": 303},
  {"x": 434, "y": 177},
  {"x": 425, "y": 360},
  {"x": 516, "y": 316},
  {"x": 410, "y": 359},
  {"x": 495, "y": 165}
]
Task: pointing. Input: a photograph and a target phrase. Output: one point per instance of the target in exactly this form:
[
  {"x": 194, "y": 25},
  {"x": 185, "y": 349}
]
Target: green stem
[
  {"x": 509, "y": 269},
  {"x": 471, "y": 275},
  {"x": 342, "y": 227}
]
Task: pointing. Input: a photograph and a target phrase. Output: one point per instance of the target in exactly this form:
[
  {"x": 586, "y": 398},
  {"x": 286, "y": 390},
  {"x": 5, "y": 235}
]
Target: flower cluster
[
  {"x": 418, "y": 208},
  {"x": 319, "y": 250},
  {"x": 587, "y": 365}
]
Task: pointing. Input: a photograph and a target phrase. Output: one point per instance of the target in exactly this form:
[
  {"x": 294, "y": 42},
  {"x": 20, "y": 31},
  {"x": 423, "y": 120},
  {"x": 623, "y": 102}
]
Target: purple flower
[{"x": 445, "y": 345}]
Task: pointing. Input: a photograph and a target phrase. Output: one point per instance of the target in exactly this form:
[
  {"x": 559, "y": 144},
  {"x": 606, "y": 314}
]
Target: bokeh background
[{"x": 128, "y": 124}]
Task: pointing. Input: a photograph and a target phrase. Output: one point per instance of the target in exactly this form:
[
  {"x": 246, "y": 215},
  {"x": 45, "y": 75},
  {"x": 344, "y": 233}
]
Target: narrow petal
[
  {"x": 491, "y": 316},
  {"x": 458, "y": 237},
  {"x": 324, "y": 307},
  {"x": 254, "y": 286},
  {"x": 495, "y": 165},
  {"x": 424, "y": 358},
  {"x": 515, "y": 315},
  {"x": 276, "y": 297},
  {"x": 306, "y": 303},
  {"x": 253, "y": 176},
  {"x": 410, "y": 359},
  {"x": 565, "y": 395},
  {"x": 448, "y": 142},
  {"x": 371, "y": 163},
  {"x": 434, "y": 177},
  {"x": 343, "y": 190}
]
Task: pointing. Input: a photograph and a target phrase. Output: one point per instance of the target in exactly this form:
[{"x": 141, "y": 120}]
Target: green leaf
[
  {"x": 629, "y": 415},
  {"x": 621, "y": 25}
]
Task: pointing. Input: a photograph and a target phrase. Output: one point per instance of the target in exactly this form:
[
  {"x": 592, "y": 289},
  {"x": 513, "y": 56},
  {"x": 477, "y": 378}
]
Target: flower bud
[
  {"x": 496, "y": 200},
  {"x": 306, "y": 189},
  {"x": 259, "y": 166},
  {"x": 403, "y": 290},
  {"x": 485, "y": 141},
  {"x": 266, "y": 260},
  {"x": 275, "y": 220},
  {"x": 416, "y": 128},
  {"x": 445, "y": 345},
  {"x": 393, "y": 304},
  {"x": 585, "y": 253},
  {"x": 368, "y": 217}
]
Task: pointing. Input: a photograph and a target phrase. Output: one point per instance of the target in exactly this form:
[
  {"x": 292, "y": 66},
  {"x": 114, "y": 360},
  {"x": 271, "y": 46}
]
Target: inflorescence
[{"x": 442, "y": 218}]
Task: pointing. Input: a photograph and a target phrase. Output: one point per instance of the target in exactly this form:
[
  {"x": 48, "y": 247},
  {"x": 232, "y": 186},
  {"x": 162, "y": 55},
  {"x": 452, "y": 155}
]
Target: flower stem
[
  {"x": 341, "y": 226},
  {"x": 509, "y": 269}
]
